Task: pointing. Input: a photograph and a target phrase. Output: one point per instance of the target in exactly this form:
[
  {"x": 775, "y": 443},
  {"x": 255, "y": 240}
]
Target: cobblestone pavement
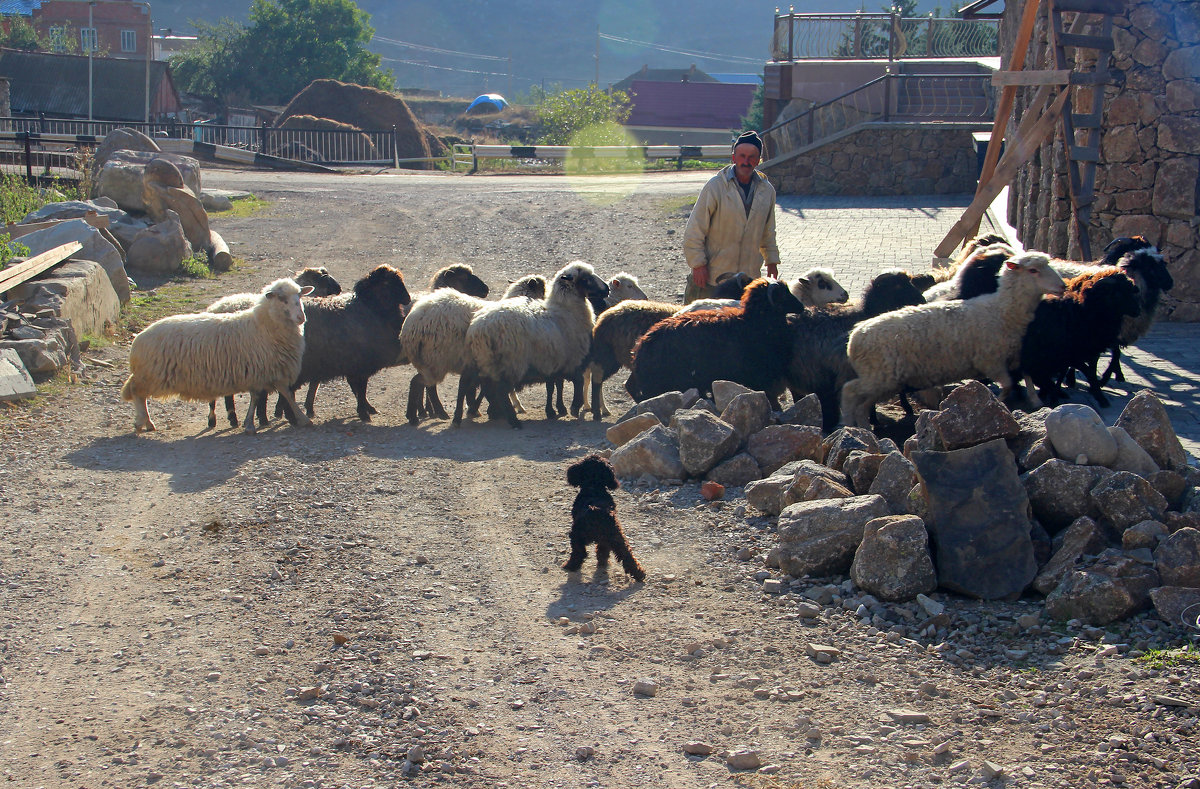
[{"x": 858, "y": 237}]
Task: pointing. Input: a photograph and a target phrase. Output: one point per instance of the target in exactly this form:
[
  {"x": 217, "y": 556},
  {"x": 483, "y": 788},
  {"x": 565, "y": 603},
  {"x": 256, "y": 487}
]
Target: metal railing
[
  {"x": 890, "y": 98},
  {"x": 861, "y": 36}
]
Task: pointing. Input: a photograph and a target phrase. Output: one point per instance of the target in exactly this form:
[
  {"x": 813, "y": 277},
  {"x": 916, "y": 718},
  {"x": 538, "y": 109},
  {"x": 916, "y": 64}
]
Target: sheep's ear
[
  {"x": 306, "y": 290},
  {"x": 1011, "y": 263},
  {"x": 615, "y": 284}
]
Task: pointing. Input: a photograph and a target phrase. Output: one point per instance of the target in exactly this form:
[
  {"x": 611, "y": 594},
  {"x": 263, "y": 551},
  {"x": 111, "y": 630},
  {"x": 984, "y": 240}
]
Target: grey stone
[
  {"x": 1123, "y": 499},
  {"x": 41, "y": 358},
  {"x": 1130, "y": 456},
  {"x": 160, "y": 248},
  {"x": 15, "y": 381},
  {"x": 662, "y": 406},
  {"x": 704, "y": 440},
  {"x": 767, "y": 494},
  {"x": 1105, "y": 590},
  {"x": 1171, "y": 485},
  {"x": 654, "y": 452},
  {"x": 622, "y": 432},
  {"x": 841, "y": 442},
  {"x": 971, "y": 415},
  {"x": 1058, "y": 492},
  {"x": 1146, "y": 534},
  {"x": 724, "y": 391},
  {"x": 978, "y": 519},
  {"x": 861, "y": 467},
  {"x": 1146, "y": 422},
  {"x": 215, "y": 202},
  {"x": 1077, "y": 431},
  {"x": 736, "y": 471},
  {"x": 1031, "y": 432},
  {"x": 894, "y": 481},
  {"x": 689, "y": 398},
  {"x": 803, "y": 478},
  {"x": 95, "y": 248},
  {"x": 805, "y": 411},
  {"x": 122, "y": 176},
  {"x": 77, "y": 209},
  {"x": 748, "y": 412},
  {"x": 78, "y": 290},
  {"x": 775, "y": 445},
  {"x": 824, "y": 488},
  {"x": 1082, "y": 538},
  {"x": 893, "y": 562},
  {"x": 1178, "y": 558},
  {"x": 819, "y": 538},
  {"x": 1178, "y": 605}
]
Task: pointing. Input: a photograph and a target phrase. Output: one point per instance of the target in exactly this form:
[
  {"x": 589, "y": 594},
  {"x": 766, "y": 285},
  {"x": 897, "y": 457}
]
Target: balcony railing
[{"x": 863, "y": 36}]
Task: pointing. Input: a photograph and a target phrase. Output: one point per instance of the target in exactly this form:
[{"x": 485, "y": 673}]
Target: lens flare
[{"x": 604, "y": 149}]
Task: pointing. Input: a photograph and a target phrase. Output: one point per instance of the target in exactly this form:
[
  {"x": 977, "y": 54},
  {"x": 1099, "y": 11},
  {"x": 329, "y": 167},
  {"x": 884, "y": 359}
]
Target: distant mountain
[{"x": 545, "y": 43}]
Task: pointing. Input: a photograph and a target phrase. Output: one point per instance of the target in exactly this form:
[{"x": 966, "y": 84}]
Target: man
[{"x": 732, "y": 226}]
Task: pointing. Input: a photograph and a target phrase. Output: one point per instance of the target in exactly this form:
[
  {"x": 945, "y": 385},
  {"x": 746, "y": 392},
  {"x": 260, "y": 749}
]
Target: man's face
[{"x": 745, "y": 158}]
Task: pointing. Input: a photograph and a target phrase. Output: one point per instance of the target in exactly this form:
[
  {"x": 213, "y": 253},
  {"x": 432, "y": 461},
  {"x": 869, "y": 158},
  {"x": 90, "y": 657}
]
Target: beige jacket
[{"x": 721, "y": 235}]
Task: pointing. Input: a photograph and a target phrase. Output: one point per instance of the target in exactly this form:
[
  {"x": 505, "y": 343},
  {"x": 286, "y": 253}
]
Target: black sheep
[
  {"x": 460, "y": 277},
  {"x": 749, "y": 344},
  {"x": 1073, "y": 329},
  {"x": 817, "y": 358},
  {"x": 1146, "y": 267},
  {"x": 353, "y": 336}
]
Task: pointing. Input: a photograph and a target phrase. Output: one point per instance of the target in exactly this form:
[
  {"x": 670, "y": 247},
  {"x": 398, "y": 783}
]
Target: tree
[
  {"x": 19, "y": 34},
  {"x": 753, "y": 119},
  {"x": 288, "y": 44},
  {"x": 588, "y": 110}
]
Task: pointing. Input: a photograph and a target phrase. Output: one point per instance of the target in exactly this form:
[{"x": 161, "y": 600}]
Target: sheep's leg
[
  {"x": 497, "y": 395},
  {"x": 578, "y": 392},
  {"x": 436, "y": 409},
  {"x": 230, "y": 412},
  {"x": 212, "y": 414},
  {"x": 474, "y": 399},
  {"x": 358, "y": 385},
  {"x": 587, "y": 393},
  {"x": 578, "y": 554},
  {"x": 310, "y": 400},
  {"x": 141, "y": 416},
  {"x": 597, "y": 397},
  {"x": 248, "y": 423},
  {"x": 1094, "y": 386},
  {"x": 515, "y": 402},
  {"x": 828, "y": 396},
  {"x": 467, "y": 382},
  {"x": 286, "y": 393},
  {"x": 262, "y": 407},
  {"x": 550, "y": 413},
  {"x": 1114, "y": 367},
  {"x": 416, "y": 391}
]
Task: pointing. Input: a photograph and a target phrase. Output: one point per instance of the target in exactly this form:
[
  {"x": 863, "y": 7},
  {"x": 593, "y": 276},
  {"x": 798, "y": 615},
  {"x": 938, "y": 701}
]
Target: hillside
[{"x": 548, "y": 43}]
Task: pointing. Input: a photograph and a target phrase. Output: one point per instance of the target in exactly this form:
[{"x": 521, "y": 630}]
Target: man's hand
[
  {"x": 772, "y": 271},
  {"x": 700, "y": 276}
]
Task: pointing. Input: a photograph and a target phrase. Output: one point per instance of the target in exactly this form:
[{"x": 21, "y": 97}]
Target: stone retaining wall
[
  {"x": 884, "y": 159},
  {"x": 1149, "y": 170}
]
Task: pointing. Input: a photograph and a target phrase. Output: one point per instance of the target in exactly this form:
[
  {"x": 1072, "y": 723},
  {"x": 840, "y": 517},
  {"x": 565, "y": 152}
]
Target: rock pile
[{"x": 988, "y": 503}]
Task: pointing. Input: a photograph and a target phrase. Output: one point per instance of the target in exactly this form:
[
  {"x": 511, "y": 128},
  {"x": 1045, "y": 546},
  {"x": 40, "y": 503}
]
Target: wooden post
[{"x": 395, "y": 148}]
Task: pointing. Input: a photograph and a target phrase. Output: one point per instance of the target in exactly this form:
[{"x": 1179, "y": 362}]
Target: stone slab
[{"x": 15, "y": 381}]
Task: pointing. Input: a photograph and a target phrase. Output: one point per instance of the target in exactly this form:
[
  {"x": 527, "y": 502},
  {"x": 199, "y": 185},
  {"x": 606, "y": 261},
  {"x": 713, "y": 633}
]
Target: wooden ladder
[{"x": 1083, "y": 152}]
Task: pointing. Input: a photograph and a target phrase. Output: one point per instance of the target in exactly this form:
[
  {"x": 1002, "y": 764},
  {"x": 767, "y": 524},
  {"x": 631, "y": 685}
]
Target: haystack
[
  {"x": 313, "y": 123},
  {"x": 364, "y": 108}
]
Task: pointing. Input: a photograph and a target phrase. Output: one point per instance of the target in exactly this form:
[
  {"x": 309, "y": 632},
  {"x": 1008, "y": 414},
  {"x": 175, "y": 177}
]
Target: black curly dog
[{"x": 594, "y": 517}]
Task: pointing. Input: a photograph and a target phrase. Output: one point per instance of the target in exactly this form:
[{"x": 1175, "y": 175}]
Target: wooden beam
[
  {"x": 1053, "y": 77},
  {"x": 1029, "y": 137},
  {"x": 15, "y": 275},
  {"x": 16, "y": 230}
]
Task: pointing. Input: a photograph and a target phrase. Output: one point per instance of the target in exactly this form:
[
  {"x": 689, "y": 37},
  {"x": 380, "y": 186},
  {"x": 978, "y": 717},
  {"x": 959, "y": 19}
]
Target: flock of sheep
[{"x": 996, "y": 315}]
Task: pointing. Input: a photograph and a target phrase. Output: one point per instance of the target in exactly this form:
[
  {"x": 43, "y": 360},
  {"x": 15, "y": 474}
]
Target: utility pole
[
  {"x": 510, "y": 75},
  {"x": 91, "y": 31},
  {"x": 597, "y": 57}
]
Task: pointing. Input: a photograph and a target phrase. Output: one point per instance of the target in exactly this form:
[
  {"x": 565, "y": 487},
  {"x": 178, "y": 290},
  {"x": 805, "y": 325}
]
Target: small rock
[
  {"x": 773, "y": 586},
  {"x": 930, "y": 606},
  {"x": 416, "y": 754},
  {"x": 822, "y": 653},
  {"x": 696, "y": 748},
  {"x": 990, "y": 770},
  {"x": 712, "y": 491},
  {"x": 908, "y": 716},
  {"x": 584, "y": 752},
  {"x": 341, "y": 638},
  {"x": 645, "y": 687},
  {"x": 744, "y": 760}
]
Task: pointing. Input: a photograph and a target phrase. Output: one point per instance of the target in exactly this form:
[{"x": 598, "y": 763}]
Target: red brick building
[{"x": 117, "y": 28}]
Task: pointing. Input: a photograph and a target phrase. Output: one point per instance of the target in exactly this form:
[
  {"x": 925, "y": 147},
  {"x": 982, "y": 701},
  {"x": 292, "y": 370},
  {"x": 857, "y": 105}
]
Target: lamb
[
  {"x": 939, "y": 343},
  {"x": 814, "y": 288},
  {"x": 613, "y": 339},
  {"x": 749, "y": 345},
  {"x": 209, "y": 355},
  {"x": 354, "y": 336},
  {"x": 321, "y": 283},
  {"x": 623, "y": 287},
  {"x": 974, "y": 279},
  {"x": 460, "y": 277},
  {"x": 519, "y": 341},
  {"x": 1072, "y": 330},
  {"x": 818, "y": 354},
  {"x": 434, "y": 337}
]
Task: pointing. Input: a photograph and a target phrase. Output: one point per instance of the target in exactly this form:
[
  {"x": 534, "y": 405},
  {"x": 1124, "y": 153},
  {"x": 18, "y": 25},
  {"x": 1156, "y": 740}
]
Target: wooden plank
[
  {"x": 22, "y": 272},
  {"x": 1029, "y": 137},
  {"x": 16, "y": 230},
  {"x": 1090, "y": 77},
  {"x": 1051, "y": 77},
  {"x": 1112, "y": 7},
  {"x": 1082, "y": 153},
  {"x": 1085, "y": 42},
  {"x": 1090, "y": 120}
]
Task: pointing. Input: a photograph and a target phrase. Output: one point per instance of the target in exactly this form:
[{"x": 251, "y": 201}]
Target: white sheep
[
  {"x": 208, "y": 355},
  {"x": 815, "y": 288},
  {"x": 519, "y": 341},
  {"x": 434, "y": 336},
  {"x": 939, "y": 343},
  {"x": 624, "y": 287}
]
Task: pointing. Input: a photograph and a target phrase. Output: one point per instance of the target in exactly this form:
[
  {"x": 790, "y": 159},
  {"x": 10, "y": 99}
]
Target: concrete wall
[
  {"x": 884, "y": 159},
  {"x": 1148, "y": 175}
]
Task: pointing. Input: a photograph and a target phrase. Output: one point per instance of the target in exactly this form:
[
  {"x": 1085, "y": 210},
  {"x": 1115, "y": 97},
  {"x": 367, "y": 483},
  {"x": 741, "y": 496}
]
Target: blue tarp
[{"x": 488, "y": 102}]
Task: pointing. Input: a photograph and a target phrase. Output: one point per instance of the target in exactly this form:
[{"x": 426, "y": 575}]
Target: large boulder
[
  {"x": 1123, "y": 499},
  {"x": 806, "y": 473},
  {"x": 1058, "y": 492},
  {"x": 741, "y": 469},
  {"x": 160, "y": 248},
  {"x": 630, "y": 428},
  {"x": 78, "y": 290},
  {"x": 1082, "y": 538},
  {"x": 978, "y": 519},
  {"x": 819, "y": 538},
  {"x": 1178, "y": 558},
  {"x": 969, "y": 415},
  {"x": 95, "y": 248},
  {"x": 123, "y": 176},
  {"x": 1179, "y": 605},
  {"x": 893, "y": 561},
  {"x": 662, "y": 406},
  {"x": 654, "y": 452},
  {"x": 860, "y": 468},
  {"x": 894, "y": 481},
  {"x": 749, "y": 413},
  {"x": 1078, "y": 434},
  {"x": 775, "y": 445},
  {"x": 840, "y": 443},
  {"x": 1146, "y": 421},
  {"x": 704, "y": 440},
  {"x": 1103, "y": 591}
]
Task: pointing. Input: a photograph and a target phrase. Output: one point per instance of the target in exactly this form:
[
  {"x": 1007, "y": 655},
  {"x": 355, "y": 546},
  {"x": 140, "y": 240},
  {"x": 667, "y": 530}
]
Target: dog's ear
[
  {"x": 610, "y": 478},
  {"x": 575, "y": 474}
]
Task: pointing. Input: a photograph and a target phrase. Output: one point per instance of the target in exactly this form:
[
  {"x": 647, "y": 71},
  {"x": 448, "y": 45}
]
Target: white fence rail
[{"x": 469, "y": 155}]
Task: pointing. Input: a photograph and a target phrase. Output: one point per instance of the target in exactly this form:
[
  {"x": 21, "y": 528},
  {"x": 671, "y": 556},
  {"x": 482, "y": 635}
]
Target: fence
[
  {"x": 469, "y": 155},
  {"x": 863, "y": 36},
  {"x": 890, "y": 98}
]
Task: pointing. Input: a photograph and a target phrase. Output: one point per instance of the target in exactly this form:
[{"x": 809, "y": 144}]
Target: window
[
  {"x": 87, "y": 39},
  {"x": 58, "y": 38},
  {"x": 129, "y": 41}
]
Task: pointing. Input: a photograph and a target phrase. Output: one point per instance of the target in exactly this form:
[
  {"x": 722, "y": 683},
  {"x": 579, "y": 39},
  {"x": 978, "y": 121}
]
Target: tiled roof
[
  {"x": 58, "y": 84},
  {"x": 19, "y": 7}
]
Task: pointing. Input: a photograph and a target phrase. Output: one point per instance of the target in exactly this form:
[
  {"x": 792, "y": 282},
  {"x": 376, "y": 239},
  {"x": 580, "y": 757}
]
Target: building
[
  {"x": 684, "y": 106},
  {"x": 115, "y": 28},
  {"x": 57, "y": 85}
]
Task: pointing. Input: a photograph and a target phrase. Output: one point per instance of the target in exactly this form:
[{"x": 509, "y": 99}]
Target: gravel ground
[{"x": 365, "y": 604}]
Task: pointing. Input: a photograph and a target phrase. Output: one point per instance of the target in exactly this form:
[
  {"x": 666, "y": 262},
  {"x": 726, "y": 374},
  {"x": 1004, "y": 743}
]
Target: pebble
[
  {"x": 745, "y": 759},
  {"x": 773, "y": 586},
  {"x": 697, "y": 748},
  {"x": 990, "y": 770},
  {"x": 959, "y": 767},
  {"x": 908, "y": 716},
  {"x": 584, "y": 752},
  {"x": 645, "y": 687},
  {"x": 822, "y": 653},
  {"x": 930, "y": 606}
]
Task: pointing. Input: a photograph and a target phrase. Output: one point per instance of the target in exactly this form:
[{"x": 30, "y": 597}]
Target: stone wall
[
  {"x": 1149, "y": 170},
  {"x": 884, "y": 159}
]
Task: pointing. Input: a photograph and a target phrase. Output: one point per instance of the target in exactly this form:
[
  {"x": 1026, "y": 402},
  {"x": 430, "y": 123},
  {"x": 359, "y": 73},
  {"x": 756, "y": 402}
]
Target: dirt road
[{"x": 364, "y": 604}]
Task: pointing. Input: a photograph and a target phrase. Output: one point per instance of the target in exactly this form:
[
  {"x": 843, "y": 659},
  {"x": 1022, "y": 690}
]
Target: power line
[
  {"x": 435, "y": 50},
  {"x": 474, "y": 71},
  {"x": 689, "y": 52}
]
